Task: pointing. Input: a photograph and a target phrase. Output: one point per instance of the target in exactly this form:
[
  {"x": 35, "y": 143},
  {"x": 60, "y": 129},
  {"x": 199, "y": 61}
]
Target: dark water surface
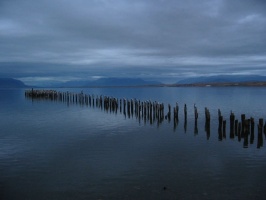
[{"x": 51, "y": 150}]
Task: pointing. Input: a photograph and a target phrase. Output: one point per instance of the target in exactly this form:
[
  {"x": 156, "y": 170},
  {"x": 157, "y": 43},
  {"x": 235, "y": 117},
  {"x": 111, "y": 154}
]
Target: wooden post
[
  {"x": 246, "y": 133},
  {"x": 219, "y": 113},
  {"x": 195, "y": 112},
  {"x": 224, "y": 128},
  {"x": 239, "y": 131},
  {"x": 220, "y": 133},
  {"x": 177, "y": 109},
  {"x": 264, "y": 129},
  {"x": 169, "y": 113},
  {"x": 243, "y": 117},
  {"x": 260, "y": 139},
  {"x": 236, "y": 127},
  {"x": 207, "y": 122},
  {"x": 185, "y": 112},
  {"x": 232, "y": 124},
  {"x": 261, "y": 122},
  {"x": 220, "y": 122}
]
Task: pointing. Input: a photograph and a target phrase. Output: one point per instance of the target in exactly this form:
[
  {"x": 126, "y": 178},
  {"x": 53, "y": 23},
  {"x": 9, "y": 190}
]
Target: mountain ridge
[
  {"x": 223, "y": 79},
  {"x": 11, "y": 83},
  {"x": 218, "y": 80},
  {"x": 110, "y": 82}
]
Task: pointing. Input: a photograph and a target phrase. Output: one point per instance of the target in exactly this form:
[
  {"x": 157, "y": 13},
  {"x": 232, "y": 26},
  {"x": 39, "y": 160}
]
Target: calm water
[{"x": 51, "y": 150}]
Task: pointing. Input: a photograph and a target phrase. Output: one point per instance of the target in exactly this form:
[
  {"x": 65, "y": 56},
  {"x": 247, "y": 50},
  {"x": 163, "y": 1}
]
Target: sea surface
[{"x": 59, "y": 150}]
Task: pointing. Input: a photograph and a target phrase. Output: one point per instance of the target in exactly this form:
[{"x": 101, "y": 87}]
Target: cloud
[{"x": 126, "y": 38}]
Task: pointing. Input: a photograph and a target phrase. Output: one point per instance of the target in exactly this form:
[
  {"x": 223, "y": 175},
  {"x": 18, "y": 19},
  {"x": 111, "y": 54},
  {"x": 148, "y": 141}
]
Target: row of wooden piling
[
  {"x": 243, "y": 128},
  {"x": 154, "y": 112},
  {"x": 146, "y": 109}
]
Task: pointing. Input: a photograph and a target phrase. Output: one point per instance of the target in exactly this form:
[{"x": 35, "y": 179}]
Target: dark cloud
[{"x": 150, "y": 38}]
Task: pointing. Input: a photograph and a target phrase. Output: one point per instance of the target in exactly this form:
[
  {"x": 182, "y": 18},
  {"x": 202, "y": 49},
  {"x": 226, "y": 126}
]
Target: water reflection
[
  {"x": 151, "y": 113},
  {"x": 196, "y": 131},
  {"x": 260, "y": 139}
]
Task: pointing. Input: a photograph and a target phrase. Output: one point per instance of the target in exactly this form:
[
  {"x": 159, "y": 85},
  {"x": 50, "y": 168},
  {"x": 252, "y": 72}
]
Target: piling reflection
[
  {"x": 260, "y": 139},
  {"x": 207, "y": 123},
  {"x": 196, "y": 130},
  {"x": 185, "y": 125},
  {"x": 151, "y": 113},
  {"x": 232, "y": 125}
]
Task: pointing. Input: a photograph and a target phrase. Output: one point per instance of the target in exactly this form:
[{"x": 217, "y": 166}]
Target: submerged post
[
  {"x": 195, "y": 112},
  {"x": 260, "y": 139},
  {"x": 232, "y": 124},
  {"x": 185, "y": 112},
  {"x": 224, "y": 128}
]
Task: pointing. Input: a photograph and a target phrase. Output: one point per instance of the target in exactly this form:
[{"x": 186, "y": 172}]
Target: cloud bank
[{"x": 152, "y": 39}]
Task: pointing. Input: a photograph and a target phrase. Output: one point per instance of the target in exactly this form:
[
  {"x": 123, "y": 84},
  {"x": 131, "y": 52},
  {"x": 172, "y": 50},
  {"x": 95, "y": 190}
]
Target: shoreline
[{"x": 228, "y": 84}]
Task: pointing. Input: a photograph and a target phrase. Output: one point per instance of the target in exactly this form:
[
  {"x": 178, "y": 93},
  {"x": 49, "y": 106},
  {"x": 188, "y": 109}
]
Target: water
[{"x": 52, "y": 150}]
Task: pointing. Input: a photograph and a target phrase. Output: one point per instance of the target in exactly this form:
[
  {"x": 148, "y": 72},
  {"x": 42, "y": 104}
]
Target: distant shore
[
  {"x": 243, "y": 84},
  {"x": 229, "y": 84}
]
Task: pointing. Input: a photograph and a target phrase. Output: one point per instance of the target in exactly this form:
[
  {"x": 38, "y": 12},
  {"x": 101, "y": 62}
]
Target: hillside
[
  {"x": 223, "y": 79},
  {"x": 110, "y": 82},
  {"x": 11, "y": 83}
]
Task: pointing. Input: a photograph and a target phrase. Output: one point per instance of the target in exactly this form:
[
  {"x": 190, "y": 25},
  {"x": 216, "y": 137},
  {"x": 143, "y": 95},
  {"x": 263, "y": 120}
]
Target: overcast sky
[{"x": 46, "y": 40}]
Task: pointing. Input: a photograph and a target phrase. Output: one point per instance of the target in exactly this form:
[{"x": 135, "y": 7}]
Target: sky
[{"x": 166, "y": 40}]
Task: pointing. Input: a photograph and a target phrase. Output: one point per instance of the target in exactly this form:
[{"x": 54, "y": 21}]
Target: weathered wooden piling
[
  {"x": 46, "y": 94},
  {"x": 239, "y": 131},
  {"x": 260, "y": 139},
  {"x": 236, "y": 127},
  {"x": 168, "y": 116},
  {"x": 243, "y": 117},
  {"x": 221, "y": 127},
  {"x": 220, "y": 122},
  {"x": 219, "y": 113},
  {"x": 207, "y": 122},
  {"x": 248, "y": 126},
  {"x": 175, "y": 117},
  {"x": 195, "y": 112},
  {"x": 131, "y": 106},
  {"x": 261, "y": 122},
  {"x": 260, "y": 130},
  {"x": 224, "y": 128},
  {"x": 176, "y": 112},
  {"x": 251, "y": 140},
  {"x": 153, "y": 111},
  {"x": 246, "y": 132},
  {"x": 232, "y": 124},
  {"x": 176, "y": 108},
  {"x": 207, "y": 114},
  {"x": 264, "y": 129}
]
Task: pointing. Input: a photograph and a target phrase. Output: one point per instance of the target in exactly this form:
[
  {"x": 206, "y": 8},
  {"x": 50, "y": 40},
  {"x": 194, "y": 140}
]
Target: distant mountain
[
  {"x": 223, "y": 79},
  {"x": 110, "y": 82},
  {"x": 11, "y": 83}
]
